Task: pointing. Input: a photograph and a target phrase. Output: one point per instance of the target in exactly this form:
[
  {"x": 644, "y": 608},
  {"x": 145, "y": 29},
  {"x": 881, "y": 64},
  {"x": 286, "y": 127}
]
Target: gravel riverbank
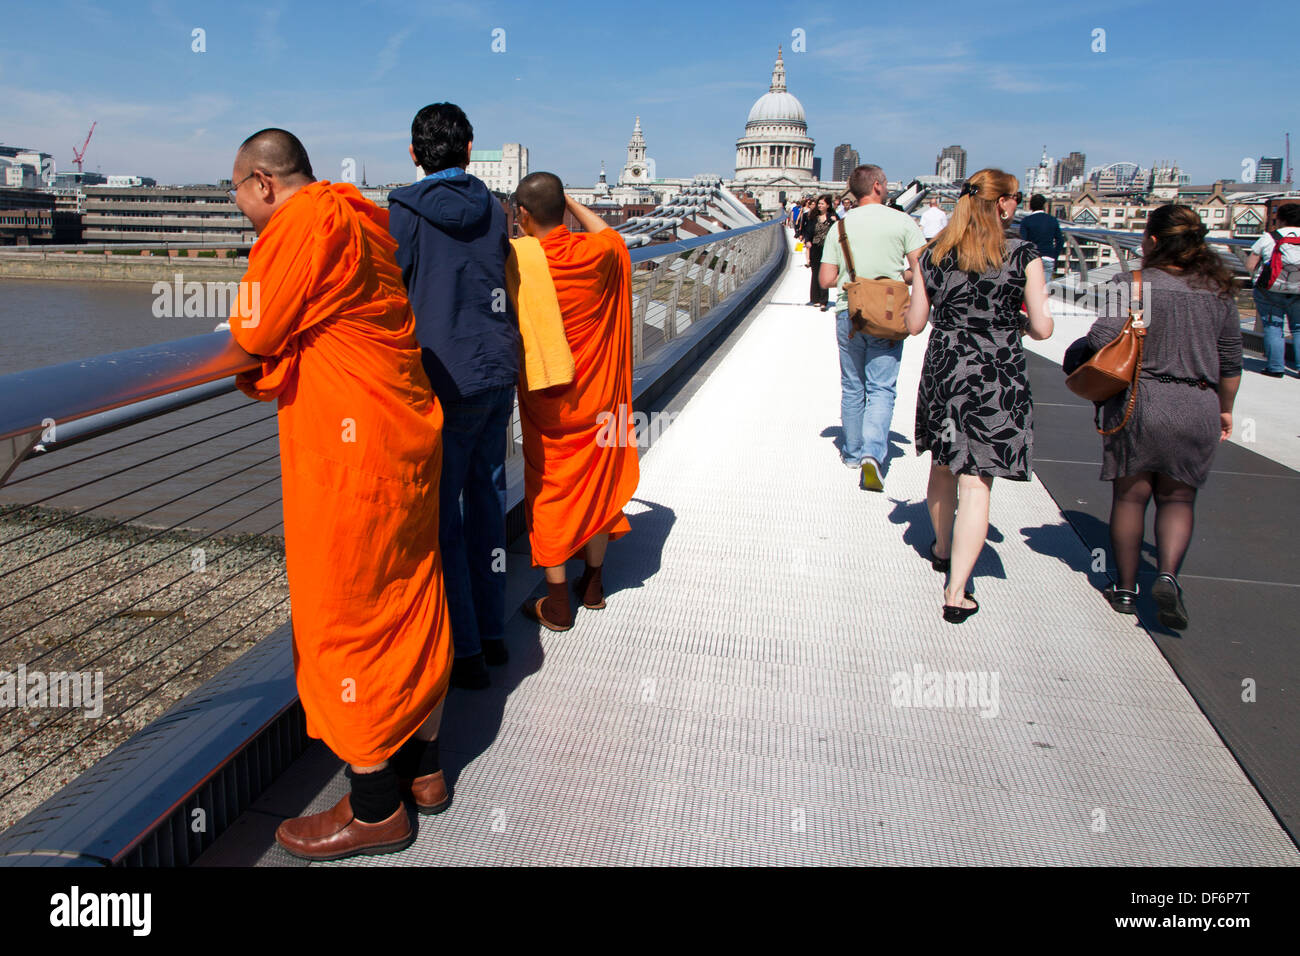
[{"x": 135, "y": 622}]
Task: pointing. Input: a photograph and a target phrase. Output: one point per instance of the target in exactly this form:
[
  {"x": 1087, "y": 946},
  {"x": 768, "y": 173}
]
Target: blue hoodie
[{"x": 452, "y": 248}]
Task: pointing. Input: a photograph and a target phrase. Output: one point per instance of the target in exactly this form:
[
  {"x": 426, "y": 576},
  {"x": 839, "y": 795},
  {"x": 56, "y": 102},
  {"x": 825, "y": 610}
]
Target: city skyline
[{"x": 261, "y": 66}]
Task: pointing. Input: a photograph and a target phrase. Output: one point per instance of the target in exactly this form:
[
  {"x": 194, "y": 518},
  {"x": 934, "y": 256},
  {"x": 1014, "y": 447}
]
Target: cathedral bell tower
[{"x": 637, "y": 169}]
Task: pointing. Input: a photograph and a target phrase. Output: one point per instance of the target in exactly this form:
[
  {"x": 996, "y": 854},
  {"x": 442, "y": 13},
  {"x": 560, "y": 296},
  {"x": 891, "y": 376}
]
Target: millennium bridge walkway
[{"x": 772, "y": 681}]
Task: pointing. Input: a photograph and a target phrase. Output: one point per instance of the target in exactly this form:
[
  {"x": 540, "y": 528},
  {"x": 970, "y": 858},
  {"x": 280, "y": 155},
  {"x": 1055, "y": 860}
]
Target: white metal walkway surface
[{"x": 740, "y": 701}]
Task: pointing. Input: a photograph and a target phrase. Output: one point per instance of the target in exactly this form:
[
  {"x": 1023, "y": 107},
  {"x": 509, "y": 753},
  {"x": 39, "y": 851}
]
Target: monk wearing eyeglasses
[{"x": 360, "y": 452}]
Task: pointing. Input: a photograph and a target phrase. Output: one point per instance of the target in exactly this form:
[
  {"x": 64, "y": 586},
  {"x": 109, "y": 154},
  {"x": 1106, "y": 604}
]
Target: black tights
[{"x": 1175, "y": 504}]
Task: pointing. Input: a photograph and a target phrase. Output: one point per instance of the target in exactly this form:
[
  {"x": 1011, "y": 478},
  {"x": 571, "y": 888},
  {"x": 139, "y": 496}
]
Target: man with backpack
[{"x": 1277, "y": 287}]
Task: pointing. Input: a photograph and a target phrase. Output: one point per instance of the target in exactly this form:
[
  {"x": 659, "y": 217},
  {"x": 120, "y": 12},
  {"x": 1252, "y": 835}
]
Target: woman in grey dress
[
  {"x": 973, "y": 410},
  {"x": 1191, "y": 367}
]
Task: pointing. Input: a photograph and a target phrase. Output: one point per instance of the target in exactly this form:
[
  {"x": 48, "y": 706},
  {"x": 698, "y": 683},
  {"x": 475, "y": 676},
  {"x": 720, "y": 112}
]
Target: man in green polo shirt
[{"x": 883, "y": 241}]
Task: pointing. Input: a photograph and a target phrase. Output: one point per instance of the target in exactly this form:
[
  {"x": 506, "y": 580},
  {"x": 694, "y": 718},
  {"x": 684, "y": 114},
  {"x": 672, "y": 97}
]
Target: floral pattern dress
[{"x": 973, "y": 409}]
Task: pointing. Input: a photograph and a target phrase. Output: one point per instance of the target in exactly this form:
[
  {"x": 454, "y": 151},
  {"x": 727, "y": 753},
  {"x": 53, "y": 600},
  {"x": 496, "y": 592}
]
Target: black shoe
[
  {"x": 494, "y": 651},
  {"x": 956, "y": 614},
  {"x": 1273, "y": 374},
  {"x": 943, "y": 565},
  {"x": 1121, "y": 601},
  {"x": 470, "y": 672},
  {"x": 1168, "y": 594}
]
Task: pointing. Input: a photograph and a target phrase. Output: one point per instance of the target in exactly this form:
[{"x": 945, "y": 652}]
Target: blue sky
[{"x": 898, "y": 81}]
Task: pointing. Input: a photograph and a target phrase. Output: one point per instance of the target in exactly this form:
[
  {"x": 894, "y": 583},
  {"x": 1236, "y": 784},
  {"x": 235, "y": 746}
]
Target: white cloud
[{"x": 387, "y": 57}]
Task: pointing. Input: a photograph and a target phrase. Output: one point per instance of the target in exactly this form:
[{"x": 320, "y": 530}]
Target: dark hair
[
  {"x": 830, "y": 205},
  {"x": 1180, "y": 243},
  {"x": 1288, "y": 215},
  {"x": 542, "y": 194},
  {"x": 864, "y": 178},
  {"x": 440, "y": 135},
  {"x": 1037, "y": 201}
]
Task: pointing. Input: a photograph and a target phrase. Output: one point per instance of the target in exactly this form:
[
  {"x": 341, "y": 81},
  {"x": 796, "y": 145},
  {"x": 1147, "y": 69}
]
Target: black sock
[
  {"x": 417, "y": 758},
  {"x": 374, "y": 795}
]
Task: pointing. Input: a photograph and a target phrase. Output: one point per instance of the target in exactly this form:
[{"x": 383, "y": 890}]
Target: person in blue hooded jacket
[{"x": 452, "y": 247}]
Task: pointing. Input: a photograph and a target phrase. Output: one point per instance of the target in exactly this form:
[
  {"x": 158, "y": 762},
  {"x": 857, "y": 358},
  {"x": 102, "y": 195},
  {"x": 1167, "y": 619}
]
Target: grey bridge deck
[{"x": 734, "y": 704}]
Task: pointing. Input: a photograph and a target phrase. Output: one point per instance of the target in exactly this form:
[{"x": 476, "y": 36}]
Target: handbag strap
[
  {"x": 844, "y": 247},
  {"x": 1137, "y": 321}
]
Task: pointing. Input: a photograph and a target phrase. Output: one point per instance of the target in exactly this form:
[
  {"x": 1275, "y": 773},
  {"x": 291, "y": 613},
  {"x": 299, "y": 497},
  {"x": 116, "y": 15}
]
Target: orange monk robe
[
  {"x": 360, "y": 452},
  {"x": 576, "y": 479}
]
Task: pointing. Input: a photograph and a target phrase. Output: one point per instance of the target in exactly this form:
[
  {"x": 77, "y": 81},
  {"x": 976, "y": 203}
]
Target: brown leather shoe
[
  {"x": 336, "y": 834},
  {"x": 429, "y": 792}
]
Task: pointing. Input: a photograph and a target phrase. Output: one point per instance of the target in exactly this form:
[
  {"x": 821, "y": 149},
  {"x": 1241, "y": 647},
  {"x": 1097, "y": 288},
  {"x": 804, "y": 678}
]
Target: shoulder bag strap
[{"x": 844, "y": 247}]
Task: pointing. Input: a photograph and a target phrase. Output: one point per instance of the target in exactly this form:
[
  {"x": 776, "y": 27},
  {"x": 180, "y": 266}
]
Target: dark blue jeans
[{"x": 472, "y": 515}]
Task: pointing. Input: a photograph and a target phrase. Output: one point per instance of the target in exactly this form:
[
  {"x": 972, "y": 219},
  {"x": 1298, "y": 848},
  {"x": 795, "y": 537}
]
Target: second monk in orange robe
[
  {"x": 580, "y": 453},
  {"x": 360, "y": 451}
]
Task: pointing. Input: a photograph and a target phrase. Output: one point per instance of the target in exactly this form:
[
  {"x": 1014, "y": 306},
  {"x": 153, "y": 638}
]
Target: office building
[
  {"x": 844, "y": 162},
  {"x": 951, "y": 163}
]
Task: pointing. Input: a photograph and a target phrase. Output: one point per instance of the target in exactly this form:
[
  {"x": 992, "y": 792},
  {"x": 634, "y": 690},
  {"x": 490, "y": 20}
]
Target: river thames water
[{"x": 45, "y": 322}]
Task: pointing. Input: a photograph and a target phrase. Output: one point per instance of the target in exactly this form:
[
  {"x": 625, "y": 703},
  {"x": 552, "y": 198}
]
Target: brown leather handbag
[
  {"x": 876, "y": 306},
  {"x": 1116, "y": 365}
]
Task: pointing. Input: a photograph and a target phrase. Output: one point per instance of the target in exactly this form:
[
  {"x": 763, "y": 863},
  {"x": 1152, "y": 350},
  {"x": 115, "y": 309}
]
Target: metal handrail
[{"x": 31, "y": 399}]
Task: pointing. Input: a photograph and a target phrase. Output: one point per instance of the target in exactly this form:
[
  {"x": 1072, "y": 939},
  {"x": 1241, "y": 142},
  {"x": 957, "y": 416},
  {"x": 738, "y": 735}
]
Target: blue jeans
[
  {"x": 472, "y": 515},
  {"x": 868, "y": 379},
  {"x": 1275, "y": 309}
]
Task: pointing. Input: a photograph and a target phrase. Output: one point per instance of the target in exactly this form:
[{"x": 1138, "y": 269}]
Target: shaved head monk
[
  {"x": 360, "y": 453},
  {"x": 579, "y": 471}
]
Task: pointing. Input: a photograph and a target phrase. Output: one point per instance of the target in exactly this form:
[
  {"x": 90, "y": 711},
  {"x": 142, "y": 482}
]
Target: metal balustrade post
[
  {"x": 698, "y": 289},
  {"x": 1073, "y": 243},
  {"x": 723, "y": 260}
]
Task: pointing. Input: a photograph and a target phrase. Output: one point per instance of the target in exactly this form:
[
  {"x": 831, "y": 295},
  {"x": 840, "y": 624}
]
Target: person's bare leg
[
  {"x": 429, "y": 729},
  {"x": 941, "y": 500},
  {"x": 970, "y": 529},
  {"x": 594, "y": 551},
  {"x": 556, "y": 575}
]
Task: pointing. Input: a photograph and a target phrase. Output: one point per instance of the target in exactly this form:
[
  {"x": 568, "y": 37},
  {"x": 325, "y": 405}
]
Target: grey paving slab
[{"x": 740, "y": 699}]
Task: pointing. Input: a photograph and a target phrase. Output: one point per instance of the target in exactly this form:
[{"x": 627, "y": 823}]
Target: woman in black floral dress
[{"x": 973, "y": 410}]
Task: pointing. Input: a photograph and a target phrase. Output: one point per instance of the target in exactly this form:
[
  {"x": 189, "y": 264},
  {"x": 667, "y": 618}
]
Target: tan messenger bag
[{"x": 876, "y": 306}]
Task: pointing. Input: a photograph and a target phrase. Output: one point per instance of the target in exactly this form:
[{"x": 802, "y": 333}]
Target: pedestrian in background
[
  {"x": 1042, "y": 229},
  {"x": 820, "y": 222},
  {"x": 1277, "y": 297},
  {"x": 1191, "y": 367}
]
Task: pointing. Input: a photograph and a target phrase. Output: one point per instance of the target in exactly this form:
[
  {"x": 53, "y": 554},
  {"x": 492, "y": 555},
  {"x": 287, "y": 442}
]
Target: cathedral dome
[
  {"x": 775, "y": 144},
  {"x": 777, "y": 107}
]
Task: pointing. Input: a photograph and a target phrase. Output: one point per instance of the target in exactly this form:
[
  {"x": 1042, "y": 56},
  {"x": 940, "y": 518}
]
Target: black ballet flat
[
  {"x": 1121, "y": 601},
  {"x": 1168, "y": 594},
  {"x": 943, "y": 565},
  {"x": 956, "y": 614}
]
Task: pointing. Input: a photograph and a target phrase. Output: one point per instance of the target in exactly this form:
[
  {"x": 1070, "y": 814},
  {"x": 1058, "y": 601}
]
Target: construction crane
[
  {"x": 1288, "y": 162},
  {"x": 77, "y": 156}
]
